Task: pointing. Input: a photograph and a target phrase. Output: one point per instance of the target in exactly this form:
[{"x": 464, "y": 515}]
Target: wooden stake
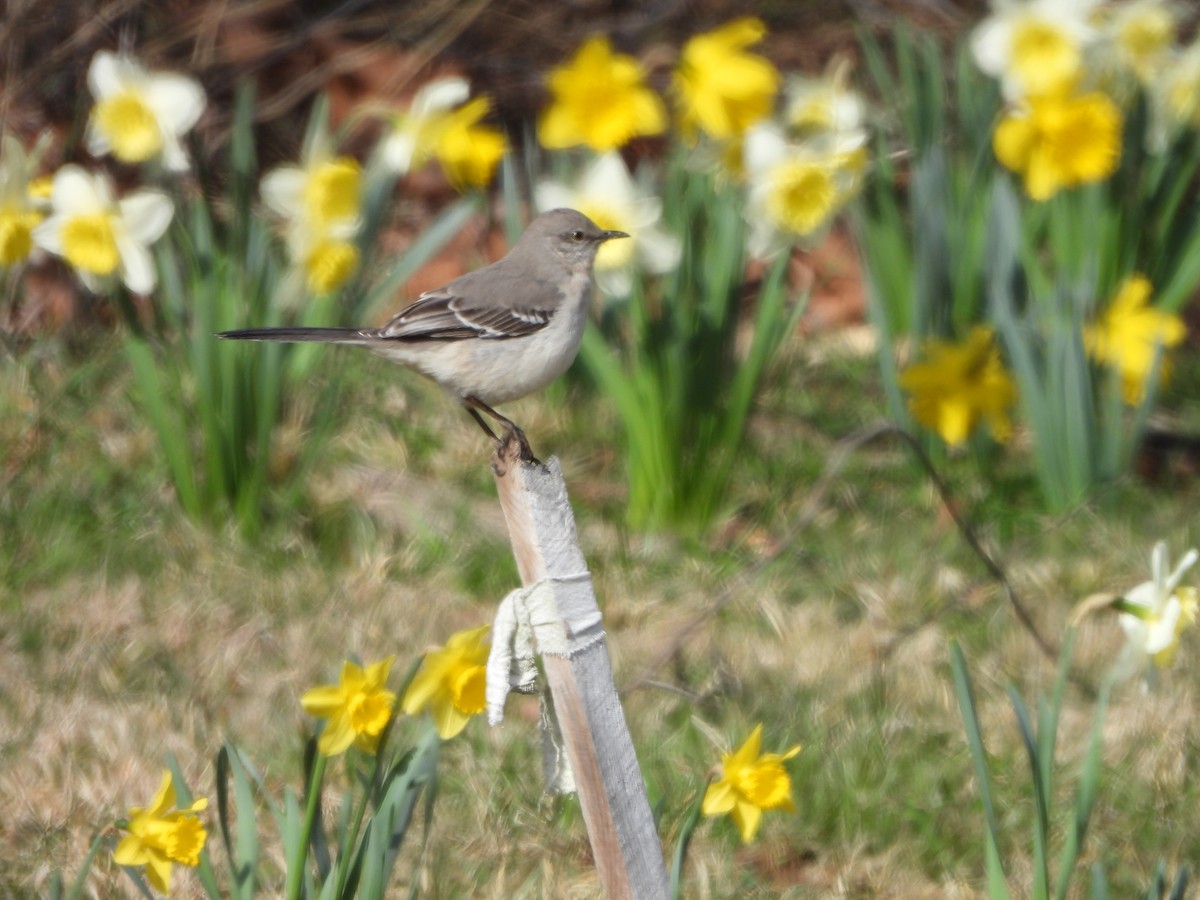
[{"x": 608, "y": 779}]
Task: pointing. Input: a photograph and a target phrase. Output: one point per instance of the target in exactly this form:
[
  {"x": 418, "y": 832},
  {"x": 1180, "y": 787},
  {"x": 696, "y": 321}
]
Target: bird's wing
[{"x": 451, "y": 314}]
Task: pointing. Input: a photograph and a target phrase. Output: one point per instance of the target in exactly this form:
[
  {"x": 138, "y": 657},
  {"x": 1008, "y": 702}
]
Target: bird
[{"x": 495, "y": 334}]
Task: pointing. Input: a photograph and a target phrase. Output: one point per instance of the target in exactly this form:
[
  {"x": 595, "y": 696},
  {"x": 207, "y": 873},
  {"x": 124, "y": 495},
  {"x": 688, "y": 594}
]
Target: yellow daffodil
[
  {"x": 1141, "y": 34},
  {"x": 1057, "y": 142},
  {"x": 959, "y": 385},
  {"x": 439, "y": 126},
  {"x": 20, "y": 209},
  {"x": 356, "y": 709},
  {"x": 101, "y": 237},
  {"x": 750, "y": 783},
  {"x": 327, "y": 259},
  {"x": 468, "y": 151},
  {"x": 320, "y": 203},
  {"x": 140, "y": 115},
  {"x": 451, "y": 682},
  {"x": 722, "y": 89},
  {"x": 796, "y": 188},
  {"x": 608, "y": 195},
  {"x": 1035, "y": 47},
  {"x": 1129, "y": 336},
  {"x": 599, "y": 99},
  {"x": 160, "y": 836},
  {"x": 415, "y": 133},
  {"x": 1156, "y": 612},
  {"x": 323, "y": 190}
]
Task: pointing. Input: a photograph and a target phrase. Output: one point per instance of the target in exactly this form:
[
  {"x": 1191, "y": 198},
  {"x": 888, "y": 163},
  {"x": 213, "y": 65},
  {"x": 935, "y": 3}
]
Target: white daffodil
[
  {"x": 101, "y": 237},
  {"x": 140, "y": 115},
  {"x": 1035, "y": 47},
  {"x": 415, "y": 134},
  {"x": 823, "y": 105},
  {"x": 1175, "y": 95},
  {"x": 320, "y": 201},
  {"x": 1155, "y": 612},
  {"x": 608, "y": 195},
  {"x": 1140, "y": 35},
  {"x": 796, "y": 188},
  {"x": 20, "y": 211}
]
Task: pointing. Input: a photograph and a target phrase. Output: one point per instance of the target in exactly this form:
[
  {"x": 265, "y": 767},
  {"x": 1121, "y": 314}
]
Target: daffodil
[
  {"x": 160, "y": 836},
  {"x": 599, "y": 99},
  {"x": 1057, "y": 142},
  {"x": 825, "y": 105},
  {"x": 323, "y": 190},
  {"x": 451, "y": 682},
  {"x": 101, "y": 237},
  {"x": 356, "y": 709},
  {"x": 608, "y": 195},
  {"x": 1035, "y": 47},
  {"x": 320, "y": 203},
  {"x": 414, "y": 133},
  {"x": 1141, "y": 34},
  {"x": 723, "y": 89},
  {"x": 469, "y": 151},
  {"x": 440, "y": 124},
  {"x": 750, "y": 783},
  {"x": 1130, "y": 334},
  {"x": 140, "y": 115},
  {"x": 20, "y": 209},
  {"x": 957, "y": 386},
  {"x": 326, "y": 258},
  {"x": 797, "y": 187},
  {"x": 1177, "y": 90},
  {"x": 1156, "y": 612}
]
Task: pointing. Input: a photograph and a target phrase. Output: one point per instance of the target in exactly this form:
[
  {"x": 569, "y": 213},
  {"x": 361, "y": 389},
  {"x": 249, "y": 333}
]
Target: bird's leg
[
  {"x": 487, "y": 429},
  {"x": 511, "y": 430}
]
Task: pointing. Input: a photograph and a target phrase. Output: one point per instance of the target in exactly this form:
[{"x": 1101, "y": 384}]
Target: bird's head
[{"x": 567, "y": 236}]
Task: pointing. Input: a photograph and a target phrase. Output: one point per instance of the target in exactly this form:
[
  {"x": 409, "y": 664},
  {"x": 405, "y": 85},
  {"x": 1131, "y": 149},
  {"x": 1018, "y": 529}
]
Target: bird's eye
[{"x": 577, "y": 236}]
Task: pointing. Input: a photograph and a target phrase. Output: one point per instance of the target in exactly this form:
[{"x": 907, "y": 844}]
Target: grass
[{"x": 126, "y": 632}]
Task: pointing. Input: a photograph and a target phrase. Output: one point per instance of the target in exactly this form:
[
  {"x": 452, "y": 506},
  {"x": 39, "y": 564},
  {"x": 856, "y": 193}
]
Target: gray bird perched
[{"x": 495, "y": 334}]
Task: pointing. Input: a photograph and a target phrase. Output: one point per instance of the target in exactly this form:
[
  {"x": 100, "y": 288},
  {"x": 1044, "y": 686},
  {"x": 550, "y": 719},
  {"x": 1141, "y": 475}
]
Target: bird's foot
[{"x": 524, "y": 452}]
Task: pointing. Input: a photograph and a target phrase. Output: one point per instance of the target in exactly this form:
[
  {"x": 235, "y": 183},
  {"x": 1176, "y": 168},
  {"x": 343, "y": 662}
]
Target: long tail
[{"x": 300, "y": 335}]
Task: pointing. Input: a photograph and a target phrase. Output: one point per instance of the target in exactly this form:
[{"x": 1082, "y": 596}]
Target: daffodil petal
[
  {"x": 147, "y": 215},
  {"x": 177, "y": 101},
  {"x": 282, "y": 190},
  {"x": 718, "y": 799},
  {"x": 748, "y": 818},
  {"x": 337, "y": 736},
  {"x": 158, "y": 872},
  {"x": 131, "y": 852},
  {"x": 106, "y": 74},
  {"x": 449, "y": 720},
  {"x": 323, "y": 701},
  {"x": 137, "y": 265}
]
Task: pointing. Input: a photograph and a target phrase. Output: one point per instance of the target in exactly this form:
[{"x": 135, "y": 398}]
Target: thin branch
[{"x": 816, "y": 496}]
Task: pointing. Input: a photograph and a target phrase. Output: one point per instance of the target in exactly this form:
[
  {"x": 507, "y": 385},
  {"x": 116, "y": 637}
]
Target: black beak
[{"x": 610, "y": 235}]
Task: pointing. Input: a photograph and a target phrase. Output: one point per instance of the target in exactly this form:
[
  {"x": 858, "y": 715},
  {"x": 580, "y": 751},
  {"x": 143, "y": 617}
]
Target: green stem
[
  {"x": 295, "y": 869},
  {"x": 346, "y": 851}
]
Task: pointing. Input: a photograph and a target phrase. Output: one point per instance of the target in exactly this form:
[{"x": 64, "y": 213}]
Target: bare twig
[{"x": 816, "y": 496}]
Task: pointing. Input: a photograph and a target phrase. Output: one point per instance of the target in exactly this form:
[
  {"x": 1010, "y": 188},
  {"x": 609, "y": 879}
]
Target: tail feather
[{"x": 299, "y": 335}]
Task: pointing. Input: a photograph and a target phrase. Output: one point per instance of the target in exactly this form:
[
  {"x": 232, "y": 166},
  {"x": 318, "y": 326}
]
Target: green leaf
[
  {"x": 98, "y": 841},
  {"x": 966, "y": 704},
  {"x": 1085, "y": 797},
  {"x": 679, "y": 857},
  {"x": 1041, "y": 820}
]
